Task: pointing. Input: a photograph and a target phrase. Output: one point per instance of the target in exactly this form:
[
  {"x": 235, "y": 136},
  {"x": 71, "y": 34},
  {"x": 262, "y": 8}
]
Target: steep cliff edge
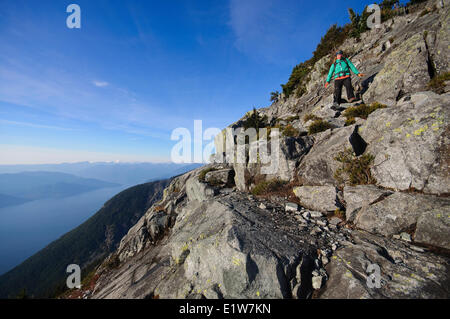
[{"x": 323, "y": 221}]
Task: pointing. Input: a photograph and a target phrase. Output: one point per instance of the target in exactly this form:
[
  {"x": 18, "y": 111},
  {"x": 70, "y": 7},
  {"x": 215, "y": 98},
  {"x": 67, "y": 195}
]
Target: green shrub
[
  {"x": 309, "y": 117},
  {"x": 350, "y": 121},
  {"x": 22, "y": 294},
  {"x": 202, "y": 175},
  {"x": 266, "y": 187},
  {"x": 339, "y": 213},
  {"x": 298, "y": 75},
  {"x": 290, "y": 131},
  {"x": 363, "y": 111},
  {"x": 112, "y": 263},
  {"x": 318, "y": 126},
  {"x": 354, "y": 170},
  {"x": 292, "y": 118},
  {"x": 301, "y": 90},
  {"x": 437, "y": 84}
]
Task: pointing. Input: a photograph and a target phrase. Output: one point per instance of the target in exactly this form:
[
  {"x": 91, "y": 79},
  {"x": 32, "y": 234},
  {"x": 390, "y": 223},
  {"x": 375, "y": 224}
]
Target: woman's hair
[{"x": 335, "y": 56}]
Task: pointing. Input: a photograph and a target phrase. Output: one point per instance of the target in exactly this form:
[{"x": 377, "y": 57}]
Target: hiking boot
[{"x": 353, "y": 99}]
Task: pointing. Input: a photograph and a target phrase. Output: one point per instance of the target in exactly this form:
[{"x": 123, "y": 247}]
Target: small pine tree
[{"x": 274, "y": 96}]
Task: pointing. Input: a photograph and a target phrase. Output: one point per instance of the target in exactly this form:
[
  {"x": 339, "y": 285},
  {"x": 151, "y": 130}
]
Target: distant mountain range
[
  {"x": 120, "y": 173},
  {"x": 18, "y": 188},
  {"x": 44, "y": 273}
]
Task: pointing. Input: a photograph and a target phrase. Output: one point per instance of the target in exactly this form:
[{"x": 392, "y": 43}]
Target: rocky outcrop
[
  {"x": 321, "y": 198},
  {"x": 227, "y": 247},
  {"x": 237, "y": 246},
  {"x": 357, "y": 197},
  {"x": 198, "y": 191},
  {"x": 401, "y": 212},
  {"x": 405, "y": 71},
  {"x": 223, "y": 177},
  {"x": 291, "y": 152},
  {"x": 411, "y": 143},
  {"x": 433, "y": 228},
  {"x": 403, "y": 272},
  {"x": 319, "y": 165}
]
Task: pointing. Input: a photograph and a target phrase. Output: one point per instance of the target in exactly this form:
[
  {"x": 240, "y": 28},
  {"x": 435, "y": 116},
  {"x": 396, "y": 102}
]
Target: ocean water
[{"x": 25, "y": 229}]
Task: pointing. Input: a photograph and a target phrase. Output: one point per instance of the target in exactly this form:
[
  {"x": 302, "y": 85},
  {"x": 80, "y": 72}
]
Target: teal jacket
[{"x": 340, "y": 68}]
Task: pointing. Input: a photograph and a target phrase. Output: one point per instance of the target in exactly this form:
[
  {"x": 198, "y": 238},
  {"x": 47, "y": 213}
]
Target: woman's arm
[
  {"x": 352, "y": 67},
  {"x": 330, "y": 73}
]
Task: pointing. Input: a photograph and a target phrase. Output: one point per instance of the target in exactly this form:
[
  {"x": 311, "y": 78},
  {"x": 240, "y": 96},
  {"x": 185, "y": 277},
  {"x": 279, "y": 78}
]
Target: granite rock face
[
  {"x": 401, "y": 212},
  {"x": 321, "y": 198},
  {"x": 403, "y": 272},
  {"x": 411, "y": 143},
  {"x": 357, "y": 197},
  {"x": 405, "y": 71},
  {"x": 433, "y": 228},
  {"x": 232, "y": 245},
  {"x": 224, "y": 177}
]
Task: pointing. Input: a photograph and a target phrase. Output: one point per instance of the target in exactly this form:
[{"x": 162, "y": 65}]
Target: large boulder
[
  {"x": 320, "y": 198},
  {"x": 433, "y": 228},
  {"x": 228, "y": 249},
  {"x": 438, "y": 41},
  {"x": 318, "y": 166},
  {"x": 225, "y": 247},
  {"x": 148, "y": 231},
  {"x": 198, "y": 191},
  {"x": 293, "y": 149},
  {"x": 405, "y": 71},
  {"x": 283, "y": 167},
  {"x": 401, "y": 212},
  {"x": 153, "y": 225},
  {"x": 411, "y": 144},
  {"x": 220, "y": 177},
  {"x": 356, "y": 197},
  {"x": 404, "y": 272}
]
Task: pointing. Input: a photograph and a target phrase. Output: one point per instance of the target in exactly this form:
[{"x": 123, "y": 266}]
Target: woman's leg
[
  {"x": 349, "y": 88},
  {"x": 338, "y": 91}
]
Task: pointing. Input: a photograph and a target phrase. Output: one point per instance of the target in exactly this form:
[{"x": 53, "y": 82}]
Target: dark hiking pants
[{"x": 347, "y": 82}]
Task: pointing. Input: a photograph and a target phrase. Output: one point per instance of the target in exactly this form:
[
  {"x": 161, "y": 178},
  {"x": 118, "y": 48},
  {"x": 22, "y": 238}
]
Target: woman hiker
[{"x": 341, "y": 71}]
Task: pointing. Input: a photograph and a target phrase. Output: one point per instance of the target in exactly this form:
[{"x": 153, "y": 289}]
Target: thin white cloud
[
  {"x": 100, "y": 84},
  {"x": 18, "y": 154},
  {"x": 65, "y": 97},
  {"x": 34, "y": 125}
]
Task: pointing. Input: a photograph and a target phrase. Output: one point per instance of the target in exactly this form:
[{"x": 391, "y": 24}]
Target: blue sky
[{"x": 116, "y": 88}]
